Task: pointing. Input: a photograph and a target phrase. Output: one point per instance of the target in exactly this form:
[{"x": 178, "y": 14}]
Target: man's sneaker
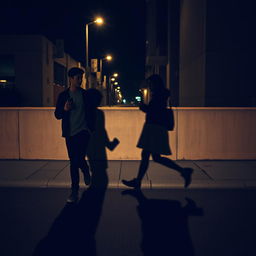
[
  {"x": 73, "y": 197},
  {"x": 186, "y": 174},
  {"x": 134, "y": 183},
  {"x": 87, "y": 177}
]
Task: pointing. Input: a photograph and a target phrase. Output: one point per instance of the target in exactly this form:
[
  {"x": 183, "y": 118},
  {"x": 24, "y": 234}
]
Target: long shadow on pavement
[
  {"x": 165, "y": 229},
  {"x": 73, "y": 231}
]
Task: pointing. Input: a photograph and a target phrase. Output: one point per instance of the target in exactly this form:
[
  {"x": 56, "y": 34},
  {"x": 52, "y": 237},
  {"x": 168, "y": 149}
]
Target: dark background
[{"x": 122, "y": 35}]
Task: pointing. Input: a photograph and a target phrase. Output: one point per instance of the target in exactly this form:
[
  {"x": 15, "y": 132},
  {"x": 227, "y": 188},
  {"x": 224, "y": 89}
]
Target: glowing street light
[
  {"x": 107, "y": 58},
  {"x": 99, "y": 21},
  {"x": 112, "y": 91}
]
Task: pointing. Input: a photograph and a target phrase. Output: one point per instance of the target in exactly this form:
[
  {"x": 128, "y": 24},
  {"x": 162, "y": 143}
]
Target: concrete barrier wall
[
  {"x": 200, "y": 133},
  {"x": 9, "y": 134},
  {"x": 216, "y": 133}
]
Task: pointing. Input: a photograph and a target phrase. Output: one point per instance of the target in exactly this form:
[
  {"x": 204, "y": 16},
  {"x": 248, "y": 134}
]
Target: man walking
[{"x": 77, "y": 124}]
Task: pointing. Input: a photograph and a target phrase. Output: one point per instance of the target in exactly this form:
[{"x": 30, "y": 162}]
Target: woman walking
[{"x": 154, "y": 139}]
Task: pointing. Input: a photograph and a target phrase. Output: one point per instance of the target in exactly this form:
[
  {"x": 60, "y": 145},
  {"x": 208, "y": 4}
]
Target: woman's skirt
[{"x": 154, "y": 138}]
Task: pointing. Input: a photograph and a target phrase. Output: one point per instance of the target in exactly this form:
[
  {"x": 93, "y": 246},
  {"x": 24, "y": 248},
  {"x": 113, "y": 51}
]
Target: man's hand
[{"x": 68, "y": 105}]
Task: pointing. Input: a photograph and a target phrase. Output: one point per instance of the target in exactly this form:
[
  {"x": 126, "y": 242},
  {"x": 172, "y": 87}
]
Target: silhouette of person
[
  {"x": 77, "y": 124},
  {"x": 154, "y": 137},
  {"x": 99, "y": 139},
  {"x": 73, "y": 231},
  {"x": 164, "y": 223}
]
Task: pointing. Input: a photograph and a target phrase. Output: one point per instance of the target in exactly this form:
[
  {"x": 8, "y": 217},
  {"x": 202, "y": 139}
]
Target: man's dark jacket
[{"x": 60, "y": 113}]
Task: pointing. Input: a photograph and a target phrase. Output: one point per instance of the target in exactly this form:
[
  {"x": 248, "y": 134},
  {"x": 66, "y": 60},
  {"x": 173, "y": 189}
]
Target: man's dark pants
[{"x": 77, "y": 148}]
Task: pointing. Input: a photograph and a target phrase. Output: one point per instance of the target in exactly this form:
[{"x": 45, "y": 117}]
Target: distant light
[
  {"x": 99, "y": 21},
  {"x": 115, "y": 83},
  {"x": 138, "y": 98},
  {"x": 118, "y": 87},
  {"x": 3, "y": 81},
  {"x": 145, "y": 93},
  {"x": 113, "y": 79},
  {"x": 109, "y": 57},
  {"x": 124, "y": 101},
  {"x": 115, "y": 74}
]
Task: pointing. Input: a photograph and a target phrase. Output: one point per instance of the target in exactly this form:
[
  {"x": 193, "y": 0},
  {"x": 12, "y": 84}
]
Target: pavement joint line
[
  {"x": 147, "y": 176},
  {"x": 154, "y": 187},
  {"x": 203, "y": 170},
  {"x": 47, "y": 184},
  {"x": 120, "y": 170},
  {"x": 29, "y": 176}
]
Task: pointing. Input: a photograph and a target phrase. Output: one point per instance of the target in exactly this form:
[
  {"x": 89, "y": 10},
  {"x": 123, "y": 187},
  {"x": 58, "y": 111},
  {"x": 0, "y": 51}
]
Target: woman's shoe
[
  {"x": 87, "y": 177},
  {"x": 73, "y": 197},
  {"x": 134, "y": 183},
  {"x": 186, "y": 174}
]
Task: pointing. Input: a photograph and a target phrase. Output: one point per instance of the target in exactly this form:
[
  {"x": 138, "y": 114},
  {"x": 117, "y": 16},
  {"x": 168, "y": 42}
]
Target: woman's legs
[
  {"x": 143, "y": 164},
  {"x": 167, "y": 162},
  {"x": 184, "y": 172},
  {"x": 136, "y": 183}
]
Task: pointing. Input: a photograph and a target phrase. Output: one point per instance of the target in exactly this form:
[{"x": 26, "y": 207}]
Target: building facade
[
  {"x": 33, "y": 70},
  {"x": 204, "y": 50}
]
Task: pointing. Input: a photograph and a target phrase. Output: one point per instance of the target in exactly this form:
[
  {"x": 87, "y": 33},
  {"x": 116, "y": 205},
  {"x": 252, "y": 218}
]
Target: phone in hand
[{"x": 70, "y": 101}]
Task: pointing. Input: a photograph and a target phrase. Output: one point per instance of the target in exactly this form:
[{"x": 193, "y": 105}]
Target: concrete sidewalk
[{"x": 207, "y": 174}]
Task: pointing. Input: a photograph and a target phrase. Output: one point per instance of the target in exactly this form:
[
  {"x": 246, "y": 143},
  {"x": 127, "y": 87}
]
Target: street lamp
[
  {"x": 112, "y": 83},
  {"x": 99, "y": 21},
  {"x": 107, "y": 58}
]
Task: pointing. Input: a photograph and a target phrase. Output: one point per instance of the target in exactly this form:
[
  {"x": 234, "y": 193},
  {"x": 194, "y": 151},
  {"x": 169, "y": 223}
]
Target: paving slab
[
  {"x": 113, "y": 172},
  {"x": 162, "y": 176},
  {"x": 229, "y": 170},
  {"x": 62, "y": 177},
  {"x": 23, "y": 183},
  {"x": 48, "y": 171},
  {"x": 17, "y": 170},
  {"x": 129, "y": 170},
  {"x": 250, "y": 184},
  {"x": 207, "y": 174}
]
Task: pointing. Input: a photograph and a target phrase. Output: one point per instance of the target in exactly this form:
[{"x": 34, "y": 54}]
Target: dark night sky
[{"x": 123, "y": 35}]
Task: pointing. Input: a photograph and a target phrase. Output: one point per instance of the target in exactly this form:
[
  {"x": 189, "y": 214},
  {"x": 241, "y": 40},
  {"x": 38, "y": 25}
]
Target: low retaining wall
[{"x": 200, "y": 133}]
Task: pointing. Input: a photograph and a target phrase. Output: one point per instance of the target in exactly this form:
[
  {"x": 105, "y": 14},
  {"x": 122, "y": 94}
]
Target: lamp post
[
  {"x": 107, "y": 58},
  {"x": 111, "y": 93},
  {"x": 98, "y": 21}
]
